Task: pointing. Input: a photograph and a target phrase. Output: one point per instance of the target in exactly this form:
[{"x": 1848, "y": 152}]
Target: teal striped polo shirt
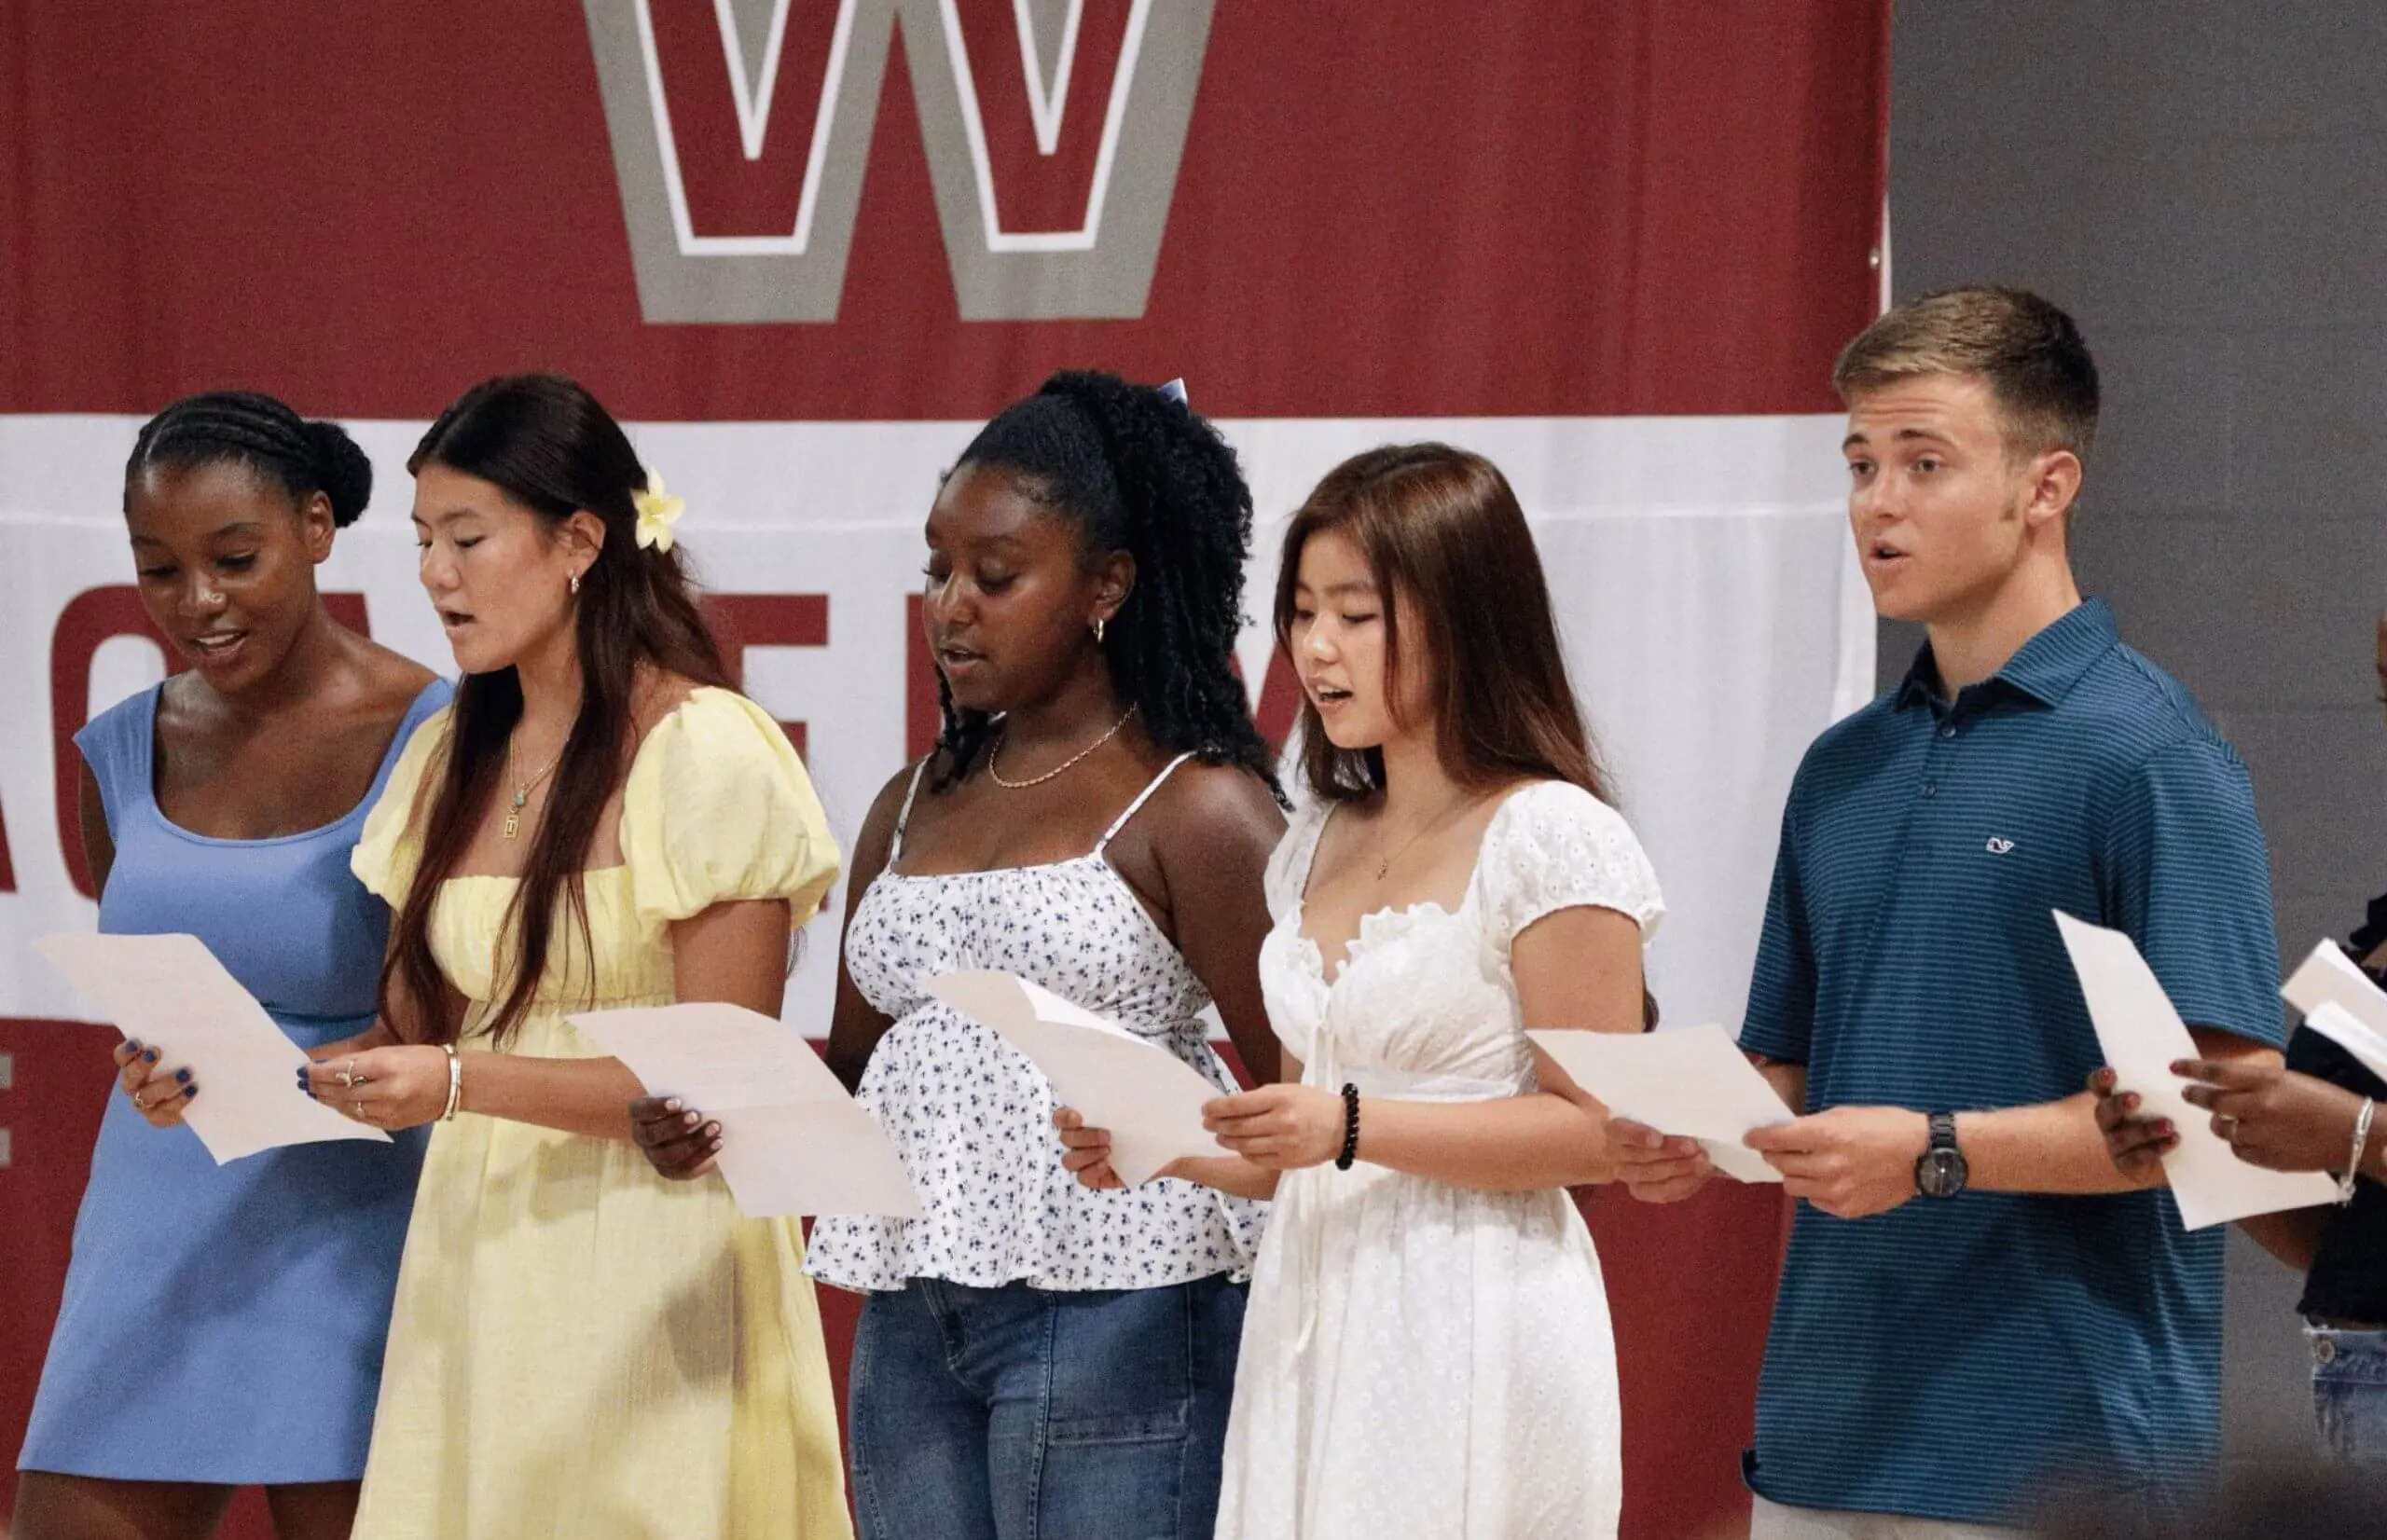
[{"x": 1961, "y": 1359}]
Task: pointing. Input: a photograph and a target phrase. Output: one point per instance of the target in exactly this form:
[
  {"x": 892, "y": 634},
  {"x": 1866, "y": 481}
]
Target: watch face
[{"x": 1943, "y": 1174}]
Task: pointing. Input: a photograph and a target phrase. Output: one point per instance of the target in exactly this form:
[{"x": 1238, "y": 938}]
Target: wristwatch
[{"x": 1939, "y": 1171}]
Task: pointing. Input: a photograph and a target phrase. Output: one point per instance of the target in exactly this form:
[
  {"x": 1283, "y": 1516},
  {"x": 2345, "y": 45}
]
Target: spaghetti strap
[
  {"x": 903, "y": 816},
  {"x": 1141, "y": 797}
]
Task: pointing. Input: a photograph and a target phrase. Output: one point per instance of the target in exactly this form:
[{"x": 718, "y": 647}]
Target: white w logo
[{"x": 1098, "y": 263}]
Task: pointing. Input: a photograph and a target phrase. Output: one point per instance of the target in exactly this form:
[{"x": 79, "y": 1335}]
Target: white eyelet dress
[
  {"x": 1421, "y": 1361},
  {"x": 971, "y": 1116}
]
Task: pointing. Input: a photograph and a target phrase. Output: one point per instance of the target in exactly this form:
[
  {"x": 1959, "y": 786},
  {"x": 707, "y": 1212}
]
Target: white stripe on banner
[{"x": 1712, "y": 610}]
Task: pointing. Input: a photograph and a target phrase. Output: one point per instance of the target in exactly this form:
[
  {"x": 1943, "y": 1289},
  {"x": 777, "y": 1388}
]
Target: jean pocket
[
  {"x": 1121, "y": 1367},
  {"x": 1151, "y": 1427},
  {"x": 2352, "y": 1416}
]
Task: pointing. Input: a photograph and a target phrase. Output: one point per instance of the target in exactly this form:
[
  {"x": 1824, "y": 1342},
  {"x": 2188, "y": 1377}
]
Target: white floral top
[{"x": 971, "y": 1116}]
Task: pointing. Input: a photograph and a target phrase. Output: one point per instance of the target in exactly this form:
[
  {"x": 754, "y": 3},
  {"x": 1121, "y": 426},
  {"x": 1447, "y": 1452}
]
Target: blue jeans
[
  {"x": 1020, "y": 1413},
  {"x": 2350, "y": 1392}
]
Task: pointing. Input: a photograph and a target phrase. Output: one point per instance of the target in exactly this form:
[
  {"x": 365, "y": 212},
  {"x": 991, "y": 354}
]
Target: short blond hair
[{"x": 2037, "y": 367}]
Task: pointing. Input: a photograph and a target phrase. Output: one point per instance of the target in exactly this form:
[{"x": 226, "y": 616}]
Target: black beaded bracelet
[{"x": 1350, "y": 1127}]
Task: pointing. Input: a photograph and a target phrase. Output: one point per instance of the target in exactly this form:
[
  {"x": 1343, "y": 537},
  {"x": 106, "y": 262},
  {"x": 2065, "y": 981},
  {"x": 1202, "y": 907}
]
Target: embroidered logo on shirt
[{"x": 1999, "y": 846}]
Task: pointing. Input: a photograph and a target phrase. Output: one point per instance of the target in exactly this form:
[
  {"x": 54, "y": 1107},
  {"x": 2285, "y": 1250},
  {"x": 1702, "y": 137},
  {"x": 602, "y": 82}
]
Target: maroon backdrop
[{"x": 1384, "y": 207}]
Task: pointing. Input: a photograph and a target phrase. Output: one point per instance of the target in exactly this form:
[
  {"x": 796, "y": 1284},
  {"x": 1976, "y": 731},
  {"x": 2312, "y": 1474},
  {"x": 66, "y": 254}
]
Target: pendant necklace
[
  {"x": 522, "y": 791},
  {"x": 1383, "y": 862}
]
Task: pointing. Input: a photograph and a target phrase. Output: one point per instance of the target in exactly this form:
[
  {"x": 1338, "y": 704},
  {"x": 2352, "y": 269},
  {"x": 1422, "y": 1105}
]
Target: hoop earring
[{"x": 1097, "y": 631}]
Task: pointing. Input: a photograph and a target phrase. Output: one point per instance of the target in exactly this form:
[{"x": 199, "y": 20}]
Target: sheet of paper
[
  {"x": 2341, "y": 1027},
  {"x": 1150, "y": 1099},
  {"x": 2142, "y": 1034},
  {"x": 1687, "y": 1082},
  {"x": 2339, "y": 1002},
  {"x": 172, "y": 991},
  {"x": 792, "y": 1142}
]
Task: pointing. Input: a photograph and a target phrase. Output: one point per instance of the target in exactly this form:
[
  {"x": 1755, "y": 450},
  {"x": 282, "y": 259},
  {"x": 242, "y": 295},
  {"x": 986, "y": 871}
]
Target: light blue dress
[{"x": 225, "y": 1323}]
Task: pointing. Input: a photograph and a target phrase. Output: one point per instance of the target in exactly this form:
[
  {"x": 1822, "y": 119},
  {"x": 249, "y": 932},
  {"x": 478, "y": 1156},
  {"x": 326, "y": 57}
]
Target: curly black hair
[
  {"x": 302, "y": 458},
  {"x": 1137, "y": 471}
]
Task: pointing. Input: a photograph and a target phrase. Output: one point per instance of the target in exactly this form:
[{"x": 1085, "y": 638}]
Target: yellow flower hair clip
[{"x": 658, "y": 511}]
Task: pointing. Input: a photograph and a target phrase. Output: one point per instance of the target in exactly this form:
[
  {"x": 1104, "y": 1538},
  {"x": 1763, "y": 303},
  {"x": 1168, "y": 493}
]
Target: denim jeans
[
  {"x": 1020, "y": 1413},
  {"x": 2350, "y": 1392}
]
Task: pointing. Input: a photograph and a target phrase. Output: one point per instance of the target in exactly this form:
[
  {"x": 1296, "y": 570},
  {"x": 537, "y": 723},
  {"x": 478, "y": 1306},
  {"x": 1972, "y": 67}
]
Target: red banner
[{"x": 816, "y": 229}]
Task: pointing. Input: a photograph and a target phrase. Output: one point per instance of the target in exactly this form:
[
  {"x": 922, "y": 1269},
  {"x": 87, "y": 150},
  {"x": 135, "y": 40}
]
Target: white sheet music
[
  {"x": 1685, "y": 1081},
  {"x": 2339, "y": 1002},
  {"x": 2142, "y": 1035},
  {"x": 1149, "y": 1099},
  {"x": 792, "y": 1142},
  {"x": 172, "y": 993}
]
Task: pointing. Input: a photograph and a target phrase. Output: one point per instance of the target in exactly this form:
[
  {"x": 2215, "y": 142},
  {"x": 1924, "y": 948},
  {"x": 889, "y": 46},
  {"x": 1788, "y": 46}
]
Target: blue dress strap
[{"x": 120, "y": 746}]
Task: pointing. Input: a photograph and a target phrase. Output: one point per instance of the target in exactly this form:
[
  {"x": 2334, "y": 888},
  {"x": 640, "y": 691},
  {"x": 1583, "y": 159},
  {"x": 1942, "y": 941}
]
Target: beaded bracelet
[
  {"x": 2361, "y": 1148},
  {"x": 1350, "y": 1127},
  {"x": 455, "y": 1083}
]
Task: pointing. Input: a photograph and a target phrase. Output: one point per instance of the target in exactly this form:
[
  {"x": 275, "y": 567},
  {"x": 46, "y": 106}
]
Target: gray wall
[{"x": 2204, "y": 185}]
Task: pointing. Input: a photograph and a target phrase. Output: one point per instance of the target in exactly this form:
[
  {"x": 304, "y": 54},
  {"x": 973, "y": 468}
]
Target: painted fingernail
[
  {"x": 2163, "y": 1127},
  {"x": 712, "y": 1132},
  {"x": 690, "y": 1121},
  {"x": 673, "y": 1105},
  {"x": 716, "y": 1147},
  {"x": 149, "y": 1057},
  {"x": 133, "y": 1044},
  {"x": 182, "y": 1076},
  {"x": 189, "y": 1090}
]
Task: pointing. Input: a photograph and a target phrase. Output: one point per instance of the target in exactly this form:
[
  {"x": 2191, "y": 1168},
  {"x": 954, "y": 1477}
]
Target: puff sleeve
[
  {"x": 391, "y": 848},
  {"x": 717, "y": 809},
  {"x": 1556, "y": 846}
]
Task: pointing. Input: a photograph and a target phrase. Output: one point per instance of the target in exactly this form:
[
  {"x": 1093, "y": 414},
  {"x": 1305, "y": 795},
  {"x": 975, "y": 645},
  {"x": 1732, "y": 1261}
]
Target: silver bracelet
[
  {"x": 456, "y": 1085},
  {"x": 2361, "y": 1148}
]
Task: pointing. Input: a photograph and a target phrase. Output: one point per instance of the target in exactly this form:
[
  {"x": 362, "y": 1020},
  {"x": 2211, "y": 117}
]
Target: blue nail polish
[
  {"x": 189, "y": 1090},
  {"x": 149, "y": 1057},
  {"x": 133, "y": 1044},
  {"x": 182, "y": 1076}
]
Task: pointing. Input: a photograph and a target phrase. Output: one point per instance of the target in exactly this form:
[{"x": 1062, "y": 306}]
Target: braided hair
[
  {"x": 243, "y": 427},
  {"x": 1137, "y": 471}
]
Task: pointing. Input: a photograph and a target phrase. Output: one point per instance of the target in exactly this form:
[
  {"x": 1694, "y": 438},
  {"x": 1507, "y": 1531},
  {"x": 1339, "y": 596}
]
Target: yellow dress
[{"x": 579, "y": 1349}]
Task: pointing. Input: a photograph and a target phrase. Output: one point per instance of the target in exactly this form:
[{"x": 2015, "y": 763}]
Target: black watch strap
[{"x": 1940, "y": 1170}]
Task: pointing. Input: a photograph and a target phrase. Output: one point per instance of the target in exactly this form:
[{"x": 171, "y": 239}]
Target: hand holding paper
[
  {"x": 2141, "y": 1036},
  {"x": 1149, "y": 1099},
  {"x": 1691, "y": 1081},
  {"x": 792, "y": 1141},
  {"x": 170, "y": 990}
]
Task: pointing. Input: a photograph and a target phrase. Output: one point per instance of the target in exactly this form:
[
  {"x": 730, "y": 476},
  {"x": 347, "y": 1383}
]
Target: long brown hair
[
  {"x": 551, "y": 448},
  {"x": 1440, "y": 527}
]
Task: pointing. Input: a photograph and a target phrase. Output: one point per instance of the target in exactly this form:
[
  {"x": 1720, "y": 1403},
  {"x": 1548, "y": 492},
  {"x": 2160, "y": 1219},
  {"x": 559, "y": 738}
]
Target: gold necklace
[
  {"x": 522, "y": 789},
  {"x": 1383, "y": 862},
  {"x": 1073, "y": 758}
]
